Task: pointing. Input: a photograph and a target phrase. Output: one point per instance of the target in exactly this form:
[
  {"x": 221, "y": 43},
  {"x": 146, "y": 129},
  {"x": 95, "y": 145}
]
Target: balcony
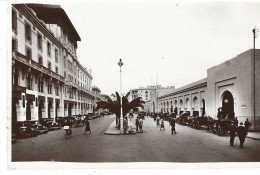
[
  {"x": 72, "y": 84},
  {"x": 30, "y": 63}
]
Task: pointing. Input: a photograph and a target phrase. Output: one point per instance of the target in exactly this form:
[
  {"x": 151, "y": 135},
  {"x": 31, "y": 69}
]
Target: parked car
[
  {"x": 46, "y": 122},
  {"x": 42, "y": 129},
  {"x": 54, "y": 126},
  {"x": 59, "y": 120},
  {"x": 26, "y": 129}
]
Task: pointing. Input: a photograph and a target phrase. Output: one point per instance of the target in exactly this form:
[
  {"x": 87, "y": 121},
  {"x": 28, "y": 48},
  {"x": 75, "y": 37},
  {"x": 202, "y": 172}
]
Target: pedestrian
[
  {"x": 162, "y": 124},
  {"x": 241, "y": 133},
  {"x": 220, "y": 114},
  {"x": 87, "y": 128},
  {"x": 141, "y": 125},
  {"x": 232, "y": 133},
  {"x": 236, "y": 122},
  {"x": 158, "y": 121},
  {"x": 169, "y": 120},
  {"x": 247, "y": 124},
  {"x": 154, "y": 117},
  {"x": 137, "y": 123},
  {"x": 173, "y": 125},
  {"x": 125, "y": 125}
]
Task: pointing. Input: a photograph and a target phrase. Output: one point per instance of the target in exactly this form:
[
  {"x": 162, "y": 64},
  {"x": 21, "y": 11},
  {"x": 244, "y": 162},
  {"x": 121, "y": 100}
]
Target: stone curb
[
  {"x": 253, "y": 138},
  {"x": 112, "y": 131}
]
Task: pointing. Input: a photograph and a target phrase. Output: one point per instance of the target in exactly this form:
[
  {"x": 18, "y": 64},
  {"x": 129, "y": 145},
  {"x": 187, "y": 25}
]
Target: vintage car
[
  {"x": 79, "y": 120},
  {"x": 59, "y": 120},
  {"x": 26, "y": 129},
  {"x": 46, "y": 122},
  {"x": 221, "y": 126},
  {"x": 183, "y": 118},
  {"x": 54, "y": 126},
  {"x": 42, "y": 129}
]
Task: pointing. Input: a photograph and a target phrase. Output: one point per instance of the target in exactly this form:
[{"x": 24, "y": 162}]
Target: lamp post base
[{"x": 121, "y": 122}]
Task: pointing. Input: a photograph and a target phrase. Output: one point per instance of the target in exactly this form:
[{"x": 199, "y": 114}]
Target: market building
[
  {"x": 232, "y": 85},
  {"x": 48, "y": 80}
]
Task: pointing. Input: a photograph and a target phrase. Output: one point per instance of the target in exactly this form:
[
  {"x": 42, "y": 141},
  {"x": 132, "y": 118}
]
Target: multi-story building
[
  {"x": 145, "y": 94},
  {"x": 153, "y": 102},
  {"x": 47, "y": 79},
  {"x": 96, "y": 91},
  {"x": 233, "y": 85}
]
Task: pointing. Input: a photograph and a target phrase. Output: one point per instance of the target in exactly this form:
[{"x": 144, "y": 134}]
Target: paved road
[{"x": 153, "y": 145}]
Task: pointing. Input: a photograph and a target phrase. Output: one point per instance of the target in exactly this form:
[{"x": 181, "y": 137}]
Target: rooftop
[{"x": 54, "y": 14}]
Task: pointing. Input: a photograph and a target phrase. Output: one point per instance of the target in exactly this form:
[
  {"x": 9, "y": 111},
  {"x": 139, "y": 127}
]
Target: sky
[{"x": 171, "y": 43}]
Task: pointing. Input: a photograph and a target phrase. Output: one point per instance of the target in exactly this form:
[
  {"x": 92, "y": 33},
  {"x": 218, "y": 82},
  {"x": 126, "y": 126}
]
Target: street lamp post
[
  {"x": 120, "y": 63},
  {"x": 254, "y": 37}
]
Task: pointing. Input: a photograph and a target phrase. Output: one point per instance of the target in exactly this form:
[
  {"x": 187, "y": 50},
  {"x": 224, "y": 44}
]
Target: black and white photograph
[{"x": 149, "y": 81}]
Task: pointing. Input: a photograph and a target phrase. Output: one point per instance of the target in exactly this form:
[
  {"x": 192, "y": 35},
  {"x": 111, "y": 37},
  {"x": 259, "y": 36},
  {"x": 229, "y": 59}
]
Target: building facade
[
  {"x": 153, "y": 102},
  {"x": 48, "y": 80},
  {"x": 146, "y": 93},
  {"x": 232, "y": 85}
]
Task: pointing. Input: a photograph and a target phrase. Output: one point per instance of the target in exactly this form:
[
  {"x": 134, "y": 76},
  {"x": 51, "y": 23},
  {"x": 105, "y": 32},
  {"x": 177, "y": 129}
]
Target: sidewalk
[
  {"x": 253, "y": 135},
  {"x": 111, "y": 130}
]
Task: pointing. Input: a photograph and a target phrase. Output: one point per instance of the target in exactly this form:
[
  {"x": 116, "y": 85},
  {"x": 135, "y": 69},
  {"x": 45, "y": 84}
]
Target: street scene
[
  {"x": 153, "y": 145},
  {"x": 135, "y": 82}
]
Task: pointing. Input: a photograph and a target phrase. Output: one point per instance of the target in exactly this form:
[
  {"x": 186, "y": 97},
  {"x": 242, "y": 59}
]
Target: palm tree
[{"x": 114, "y": 105}]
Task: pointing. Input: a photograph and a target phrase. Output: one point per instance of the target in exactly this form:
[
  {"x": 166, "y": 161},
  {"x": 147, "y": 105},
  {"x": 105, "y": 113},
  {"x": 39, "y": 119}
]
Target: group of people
[
  {"x": 239, "y": 131},
  {"x": 68, "y": 126},
  {"x": 160, "y": 123}
]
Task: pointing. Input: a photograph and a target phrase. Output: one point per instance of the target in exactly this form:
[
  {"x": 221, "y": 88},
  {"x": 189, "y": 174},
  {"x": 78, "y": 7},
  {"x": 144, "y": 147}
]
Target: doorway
[
  {"x": 28, "y": 110},
  {"x": 228, "y": 105}
]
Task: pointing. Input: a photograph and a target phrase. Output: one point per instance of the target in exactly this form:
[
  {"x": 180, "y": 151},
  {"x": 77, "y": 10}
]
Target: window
[
  {"x": 39, "y": 41},
  {"x": 28, "y": 32},
  {"x": 57, "y": 90},
  {"x": 39, "y": 85},
  {"x": 56, "y": 69},
  {"x": 14, "y": 21},
  {"x": 29, "y": 53},
  {"x": 49, "y": 48},
  {"x": 49, "y": 65},
  {"x": 14, "y": 44},
  {"x": 49, "y": 88},
  {"x": 56, "y": 55},
  {"x": 64, "y": 74},
  {"x": 29, "y": 82},
  {"x": 64, "y": 62},
  {"x": 40, "y": 60}
]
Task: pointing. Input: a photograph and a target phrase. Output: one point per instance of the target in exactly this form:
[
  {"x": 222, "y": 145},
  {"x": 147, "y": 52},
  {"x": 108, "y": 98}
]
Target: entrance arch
[{"x": 228, "y": 105}]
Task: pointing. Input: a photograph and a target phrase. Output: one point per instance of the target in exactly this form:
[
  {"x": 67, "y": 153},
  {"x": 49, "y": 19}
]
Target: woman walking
[{"x": 87, "y": 128}]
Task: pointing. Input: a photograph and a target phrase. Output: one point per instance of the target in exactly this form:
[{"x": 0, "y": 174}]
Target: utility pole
[
  {"x": 120, "y": 63},
  {"x": 255, "y": 34}
]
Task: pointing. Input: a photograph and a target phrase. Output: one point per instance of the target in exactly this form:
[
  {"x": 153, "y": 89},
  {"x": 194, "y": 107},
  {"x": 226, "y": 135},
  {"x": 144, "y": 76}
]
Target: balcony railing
[
  {"x": 71, "y": 83},
  {"x": 22, "y": 58}
]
